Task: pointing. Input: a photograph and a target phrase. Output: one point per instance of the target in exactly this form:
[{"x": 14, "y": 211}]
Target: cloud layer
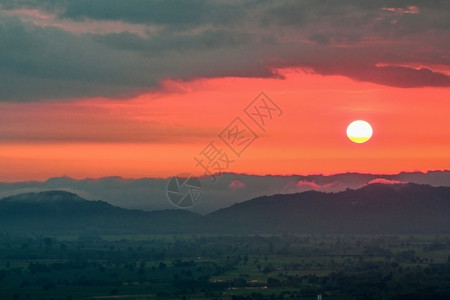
[
  {"x": 150, "y": 193},
  {"x": 56, "y": 50}
]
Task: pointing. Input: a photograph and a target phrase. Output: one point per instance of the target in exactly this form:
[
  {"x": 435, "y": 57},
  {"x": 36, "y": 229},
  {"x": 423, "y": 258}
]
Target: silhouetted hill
[
  {"x": 63, "y": 212},
  {"x": 375, "y": 208}
]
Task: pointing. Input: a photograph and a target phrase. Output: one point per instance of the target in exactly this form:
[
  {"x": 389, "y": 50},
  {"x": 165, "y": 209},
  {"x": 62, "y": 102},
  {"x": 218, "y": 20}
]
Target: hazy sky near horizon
[{"x": 141, "y": 88}]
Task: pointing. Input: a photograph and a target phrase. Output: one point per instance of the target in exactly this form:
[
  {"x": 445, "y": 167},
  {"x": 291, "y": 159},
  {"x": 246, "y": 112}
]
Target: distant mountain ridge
[
  {"x": 375, "y": 208},
  {"x": 229, "y": 188},
  {"x": 43, "y": 197},
  {"x": 61, "y": 212}
]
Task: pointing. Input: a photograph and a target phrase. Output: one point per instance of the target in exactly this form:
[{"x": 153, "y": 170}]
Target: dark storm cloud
[
  {"x": 167, "y": 12},
  {"x": 49, "y": 62},
  {"x": 203, "y": 41},
  {"x": 393, "y": 75},
  {"x": 191, "y": 39},
  {"x": 176, "y": 12}
]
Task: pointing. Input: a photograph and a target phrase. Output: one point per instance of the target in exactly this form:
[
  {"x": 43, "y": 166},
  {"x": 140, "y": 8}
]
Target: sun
[{"x": 359, "y": 131}]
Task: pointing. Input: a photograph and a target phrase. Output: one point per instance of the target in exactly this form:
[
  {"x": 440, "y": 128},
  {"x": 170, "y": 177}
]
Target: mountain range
[
  {"x": 374, "y": 208},
  {"x": 150, "y": 193}
]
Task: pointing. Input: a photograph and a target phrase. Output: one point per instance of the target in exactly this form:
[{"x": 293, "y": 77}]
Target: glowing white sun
[{"x": 359, "y": 131}]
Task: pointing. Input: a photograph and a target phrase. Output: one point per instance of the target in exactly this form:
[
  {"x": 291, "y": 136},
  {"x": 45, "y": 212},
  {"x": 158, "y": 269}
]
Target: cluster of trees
[{"x": 228, "y": 267}]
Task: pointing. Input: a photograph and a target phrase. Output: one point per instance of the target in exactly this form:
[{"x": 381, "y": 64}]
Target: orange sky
[{"x": 157, "y": 134}]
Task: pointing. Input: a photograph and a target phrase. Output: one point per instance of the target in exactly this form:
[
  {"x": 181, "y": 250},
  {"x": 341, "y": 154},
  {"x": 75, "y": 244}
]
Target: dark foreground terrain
[
  {"x": 377, "y": 242},
  {"x": 226, "y": 267}
]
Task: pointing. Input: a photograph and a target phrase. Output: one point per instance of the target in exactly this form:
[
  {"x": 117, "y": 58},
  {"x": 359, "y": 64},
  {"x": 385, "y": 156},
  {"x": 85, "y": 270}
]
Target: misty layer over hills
[
  {"x": 150, "y": 193},
  {"x": 375, "y": 208}
]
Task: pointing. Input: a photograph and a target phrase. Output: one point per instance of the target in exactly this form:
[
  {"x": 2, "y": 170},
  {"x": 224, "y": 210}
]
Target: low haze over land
[{"x": 230, "y": 188}]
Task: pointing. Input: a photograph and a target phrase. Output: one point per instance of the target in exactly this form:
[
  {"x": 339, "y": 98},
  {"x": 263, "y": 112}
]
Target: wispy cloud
[
  {"x": 235, "y": 184},
  {"x": 386, "y": 181}
]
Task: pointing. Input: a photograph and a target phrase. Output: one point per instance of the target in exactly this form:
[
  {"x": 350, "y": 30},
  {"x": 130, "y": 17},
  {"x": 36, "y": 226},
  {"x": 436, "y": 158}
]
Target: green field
[{"x": 225, "y": 267}]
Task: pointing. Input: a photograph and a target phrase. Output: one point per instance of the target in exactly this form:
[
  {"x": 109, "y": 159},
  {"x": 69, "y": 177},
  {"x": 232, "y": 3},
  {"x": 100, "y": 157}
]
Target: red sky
[
  {"x": 137, "y": 93},
  {"x": 158, "y": 134}
]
